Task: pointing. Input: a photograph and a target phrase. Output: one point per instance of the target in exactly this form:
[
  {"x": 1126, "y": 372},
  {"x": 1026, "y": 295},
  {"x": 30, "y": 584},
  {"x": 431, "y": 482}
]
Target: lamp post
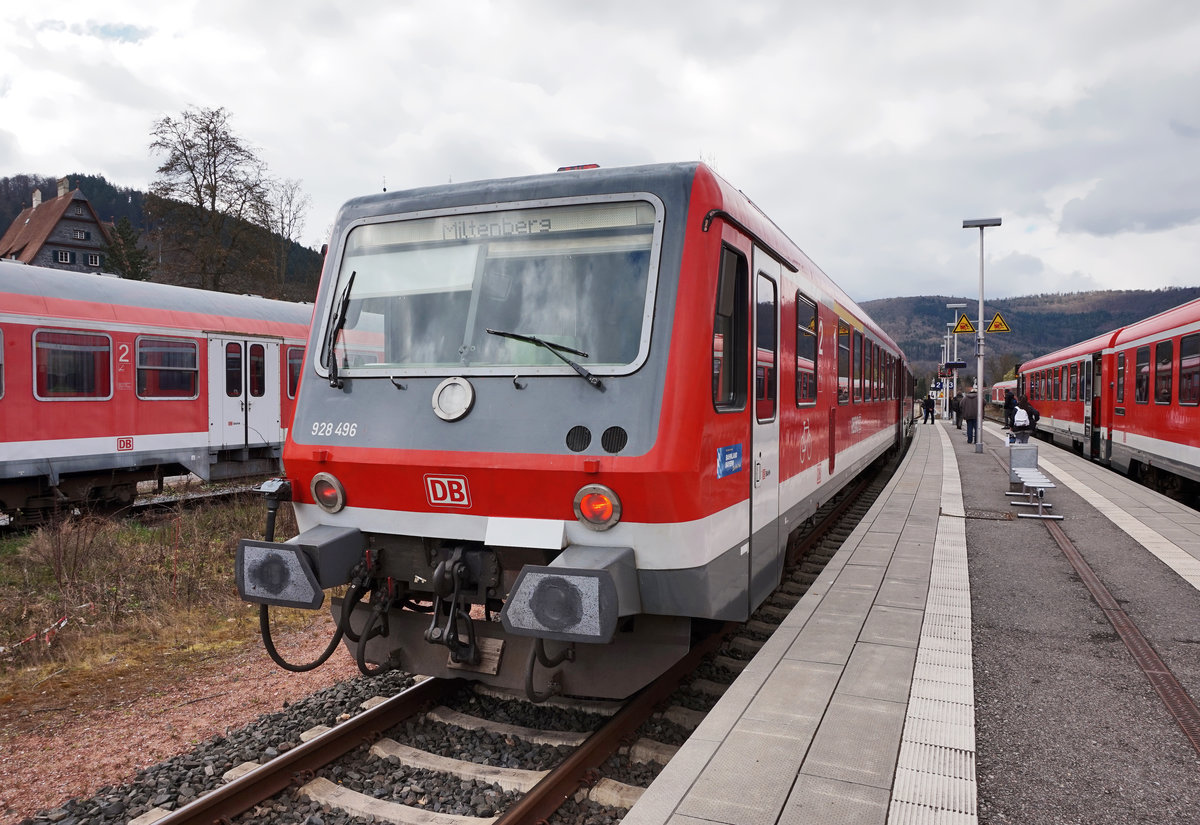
[
  {"x": 981, "y": 223},
  {"x": 954, "y": 357},
  {"x": 949, "y": 382}
]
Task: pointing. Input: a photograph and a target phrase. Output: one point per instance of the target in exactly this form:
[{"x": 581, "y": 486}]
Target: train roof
[
  {"x": 1074, "y": 351},
  {"x": 681, "y": 180},
  {"x": 1183, "y": 318},
  {"x": 40, "y": 291}
]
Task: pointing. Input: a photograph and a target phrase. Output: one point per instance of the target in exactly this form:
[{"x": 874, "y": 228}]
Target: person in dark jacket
[
  {"x": 1010, "y": 407},
  {"x": 1025, "y": 418},
  {"x": 956, "y": 408},
  {"x": 970, "y": 413},
  {"x": 927, "y": 406}
]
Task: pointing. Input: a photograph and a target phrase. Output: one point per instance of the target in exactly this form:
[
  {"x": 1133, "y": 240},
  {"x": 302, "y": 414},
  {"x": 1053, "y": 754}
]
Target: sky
[{"x": 868, "y": 130}]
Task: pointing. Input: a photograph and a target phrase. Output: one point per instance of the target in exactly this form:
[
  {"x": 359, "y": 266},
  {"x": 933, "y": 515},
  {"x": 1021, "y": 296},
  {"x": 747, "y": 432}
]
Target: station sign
[{"x": 998, "y": 325}]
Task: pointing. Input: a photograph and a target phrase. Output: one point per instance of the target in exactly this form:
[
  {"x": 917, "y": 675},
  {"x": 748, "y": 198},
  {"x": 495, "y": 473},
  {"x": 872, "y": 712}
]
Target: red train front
[{"x": 592, "y": 405}]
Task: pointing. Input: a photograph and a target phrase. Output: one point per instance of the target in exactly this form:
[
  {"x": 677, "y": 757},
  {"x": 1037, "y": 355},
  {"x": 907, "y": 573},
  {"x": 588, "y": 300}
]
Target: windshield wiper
[
  {"x": 338, "y": 320},
  {"x": 557, "y": 349}
]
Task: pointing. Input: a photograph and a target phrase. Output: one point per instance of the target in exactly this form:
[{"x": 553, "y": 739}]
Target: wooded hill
[{"x": 1039, "y": 323}]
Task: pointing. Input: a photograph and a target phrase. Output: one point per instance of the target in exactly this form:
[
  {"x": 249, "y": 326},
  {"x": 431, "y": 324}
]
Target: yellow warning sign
[
  {"x": 964, "y": 325},
  {"x": 998, "y": 325}
]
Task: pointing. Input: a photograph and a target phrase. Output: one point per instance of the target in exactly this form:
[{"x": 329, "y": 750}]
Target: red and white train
[
  {"x": 1129, "y": 398},
  {"x": 995, "y": 393},
  {"x": 591, "y": 404},
  {"x": 106, "y": 382}
]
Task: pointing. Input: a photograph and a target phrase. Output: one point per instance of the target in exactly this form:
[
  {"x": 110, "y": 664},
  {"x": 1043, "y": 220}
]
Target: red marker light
[
  {"x": 328, "y": 492},
  {"x": 597, "y": 507}
]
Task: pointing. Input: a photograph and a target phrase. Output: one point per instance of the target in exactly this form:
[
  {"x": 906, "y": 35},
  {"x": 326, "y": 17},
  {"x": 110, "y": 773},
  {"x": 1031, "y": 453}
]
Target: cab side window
[{"x": 730, "y": 335}]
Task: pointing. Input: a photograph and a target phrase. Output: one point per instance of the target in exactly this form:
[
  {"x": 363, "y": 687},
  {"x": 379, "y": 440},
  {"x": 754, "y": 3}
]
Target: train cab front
[{"x": 480, "y": 391}]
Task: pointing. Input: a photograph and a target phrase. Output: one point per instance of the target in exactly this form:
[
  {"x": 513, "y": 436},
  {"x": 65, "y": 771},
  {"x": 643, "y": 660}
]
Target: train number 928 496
[{"x": 349, "y": 429}]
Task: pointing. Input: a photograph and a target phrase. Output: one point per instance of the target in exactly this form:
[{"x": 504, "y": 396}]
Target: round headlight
[
  {"x": 328, "y": 492},
  {"x": 597, "y": 507}
]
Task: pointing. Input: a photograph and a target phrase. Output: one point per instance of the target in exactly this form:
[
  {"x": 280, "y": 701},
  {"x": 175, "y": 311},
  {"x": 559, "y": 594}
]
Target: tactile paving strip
[{"x": 935, "y": 773}]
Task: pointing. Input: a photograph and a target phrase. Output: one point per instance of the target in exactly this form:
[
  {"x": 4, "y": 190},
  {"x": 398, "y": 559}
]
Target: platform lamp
[
  {"x": 949, "y": 382},
  {"x": 982, "y": 224},
  {"x": 954, "y": 357}
]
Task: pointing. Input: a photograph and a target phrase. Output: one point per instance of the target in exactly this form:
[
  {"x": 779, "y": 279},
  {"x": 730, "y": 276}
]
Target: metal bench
[{"x": 1035, "y": 484}]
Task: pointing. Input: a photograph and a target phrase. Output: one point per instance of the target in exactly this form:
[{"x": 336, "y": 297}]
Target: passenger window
[
  {"x": 72, "y": 365},
  {"x": 233, "y": 370},
  {"x": 1164, "y": 363},
  {"x": 843, "y": 362},
  {"x": 1141, "y": 377},
  {"x": 167, "y": 368},
  {"x": 806, "y": 351},
  {"x": 856, "y": 359},
  {"x": 1120, "y": 378},
  {"x": 1189, "y": 369},
  {"x": 1074, "y": 383},
  {"x": 730, "y": 336},
  {"x": 766, "y": 349},
  {"x": 258, "y": 370}
]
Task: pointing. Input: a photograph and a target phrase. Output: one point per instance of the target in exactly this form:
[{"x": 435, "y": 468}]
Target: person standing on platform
[
  {"x": 970, "y": 413},
  {"x": 956, "y": 409},
  {"x": 927, "y": 406},
  {"x": 1025, "y": 418},
  {"x": 1010, "y": 407}
]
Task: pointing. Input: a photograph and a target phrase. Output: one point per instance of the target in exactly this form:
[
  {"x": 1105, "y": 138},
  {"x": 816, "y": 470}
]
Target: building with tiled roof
[{"x": 63, "y": 233}]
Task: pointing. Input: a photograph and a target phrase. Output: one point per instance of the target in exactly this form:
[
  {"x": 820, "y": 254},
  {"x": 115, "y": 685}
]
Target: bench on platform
[{"x": 1035, "y": 484}]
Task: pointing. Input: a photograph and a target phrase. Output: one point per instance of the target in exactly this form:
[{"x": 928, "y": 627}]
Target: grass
[{"x": 88, "y": 590}]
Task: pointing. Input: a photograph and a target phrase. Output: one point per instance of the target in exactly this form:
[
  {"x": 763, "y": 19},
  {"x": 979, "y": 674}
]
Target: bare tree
[
  {"x": 288, "y": 209},
  {"x": 210, "y": 200}
]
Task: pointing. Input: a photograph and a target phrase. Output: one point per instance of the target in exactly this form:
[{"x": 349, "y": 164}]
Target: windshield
[{"x": 426, "y": 291}]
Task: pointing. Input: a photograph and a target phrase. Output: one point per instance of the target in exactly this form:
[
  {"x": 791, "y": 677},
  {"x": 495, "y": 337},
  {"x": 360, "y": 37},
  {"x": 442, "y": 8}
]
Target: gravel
[{"x": 177, "y": 781}]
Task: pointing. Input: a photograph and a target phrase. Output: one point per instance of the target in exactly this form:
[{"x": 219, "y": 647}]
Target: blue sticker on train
[{"x": 729, "y": 460}]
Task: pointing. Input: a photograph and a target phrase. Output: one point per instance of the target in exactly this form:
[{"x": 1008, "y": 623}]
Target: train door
[
  {"x": 1095, "y": 385},
  {"x": 243, "y": 391},
  {"x": 766, "y": 556}
]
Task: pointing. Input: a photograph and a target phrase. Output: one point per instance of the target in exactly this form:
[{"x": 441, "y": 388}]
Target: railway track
[
  {"x": 445, "y": 752},
  {"x": 146, "y": 507}
]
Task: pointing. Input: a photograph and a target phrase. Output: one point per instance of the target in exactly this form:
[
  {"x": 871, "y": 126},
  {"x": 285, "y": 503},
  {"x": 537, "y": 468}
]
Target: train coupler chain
[{"x": 449, "y": 578}]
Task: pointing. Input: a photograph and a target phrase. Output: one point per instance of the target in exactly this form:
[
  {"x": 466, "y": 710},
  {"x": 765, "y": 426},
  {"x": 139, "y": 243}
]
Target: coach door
[
  {"x": 765, "y": 557},
  {"x": 243, "y": 391},
  {"x": 1093, "y": 411}
]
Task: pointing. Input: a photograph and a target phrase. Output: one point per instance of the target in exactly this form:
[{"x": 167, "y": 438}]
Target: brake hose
[{"x": 264, "y": 625}]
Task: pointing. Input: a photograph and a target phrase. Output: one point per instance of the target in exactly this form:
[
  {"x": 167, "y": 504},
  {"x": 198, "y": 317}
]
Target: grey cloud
[{"x": 1151, "y": 200}]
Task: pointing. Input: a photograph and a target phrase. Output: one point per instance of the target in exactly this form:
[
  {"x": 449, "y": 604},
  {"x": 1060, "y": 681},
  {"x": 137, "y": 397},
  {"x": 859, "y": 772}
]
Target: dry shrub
[{"x": 167, "y": 578}]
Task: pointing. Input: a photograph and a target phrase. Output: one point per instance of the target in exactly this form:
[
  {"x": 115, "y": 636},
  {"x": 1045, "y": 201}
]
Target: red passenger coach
[
  {"x": 106, "y": 382},
  {"x": 593, "y": 405},
  {"x": 1129, "y": 398}
]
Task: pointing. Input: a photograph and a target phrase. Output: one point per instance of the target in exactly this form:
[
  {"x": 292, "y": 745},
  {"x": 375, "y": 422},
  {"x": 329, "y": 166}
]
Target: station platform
[{"x": 949, "y": 640}]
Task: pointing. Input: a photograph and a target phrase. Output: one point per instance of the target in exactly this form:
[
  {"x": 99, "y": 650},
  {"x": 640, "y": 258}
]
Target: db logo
[
  {"x": 124, "y": 443},
  {"x": 447, "y": 491}
]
